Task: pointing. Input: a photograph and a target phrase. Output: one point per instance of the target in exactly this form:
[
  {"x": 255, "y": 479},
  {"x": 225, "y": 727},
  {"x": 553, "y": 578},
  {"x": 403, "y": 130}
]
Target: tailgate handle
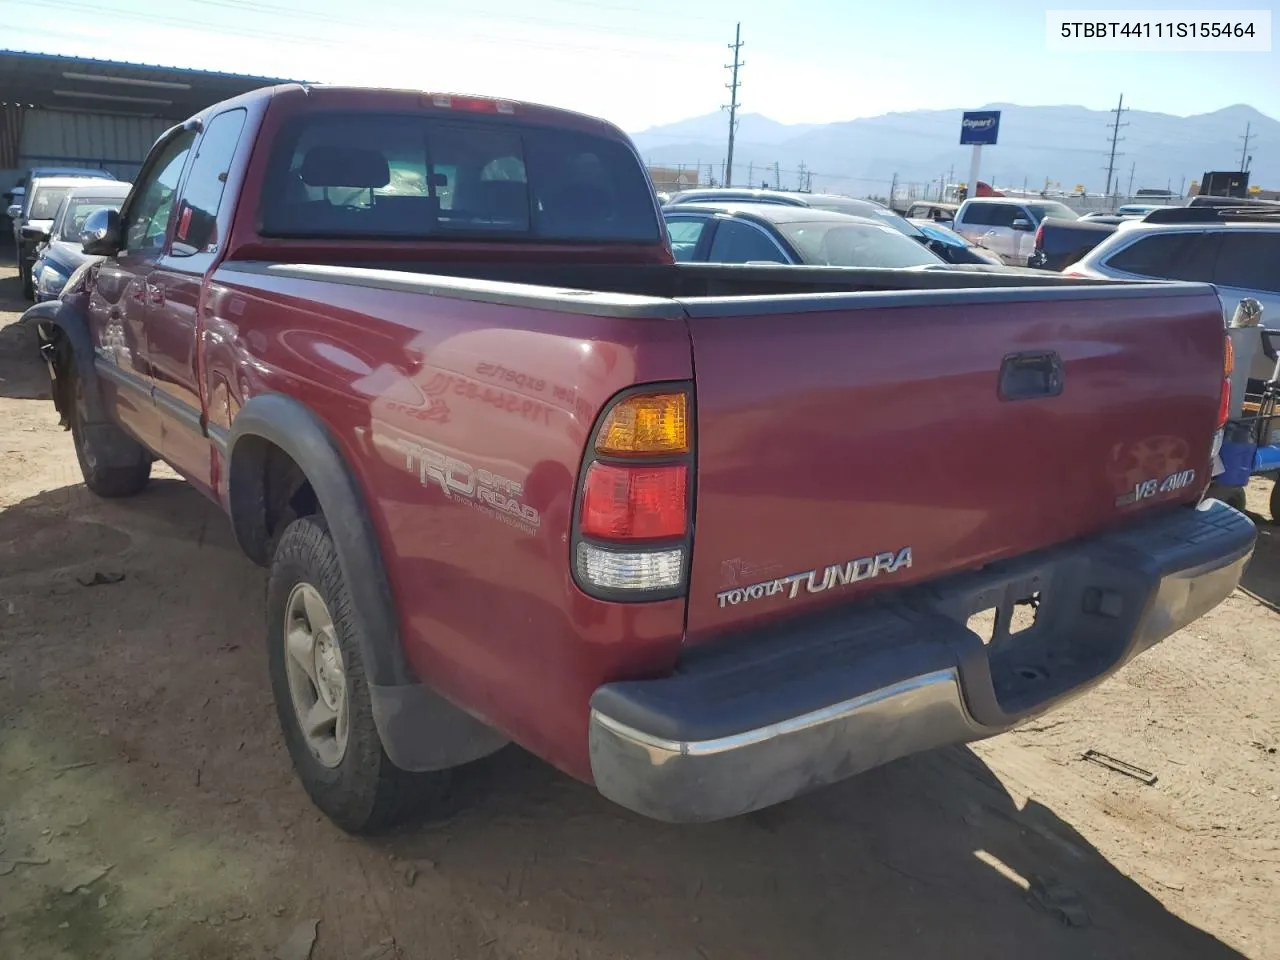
[{"x": 1025, "y": 376}]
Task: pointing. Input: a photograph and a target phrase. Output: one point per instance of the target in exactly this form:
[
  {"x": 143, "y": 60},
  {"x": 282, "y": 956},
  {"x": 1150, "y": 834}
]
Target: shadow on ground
[{"x": 160, "y": 679}]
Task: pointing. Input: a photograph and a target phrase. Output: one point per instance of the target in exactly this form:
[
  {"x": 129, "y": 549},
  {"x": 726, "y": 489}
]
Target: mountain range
[{"x": 1066, "y": 145}]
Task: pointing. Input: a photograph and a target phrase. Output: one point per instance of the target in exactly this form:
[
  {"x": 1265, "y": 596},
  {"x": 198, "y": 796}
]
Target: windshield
[
  {"x": 45, "y": 202},
  {"x": 79, "y": 210},
  {"x": 837, "y": 244},
  {"x": 408, "y": 177},
  {"x": 1060, "y": 210}
]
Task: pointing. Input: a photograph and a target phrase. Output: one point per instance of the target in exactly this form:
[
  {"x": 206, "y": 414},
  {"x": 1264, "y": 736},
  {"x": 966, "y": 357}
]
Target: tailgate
[{"x": 857, "y": 442}]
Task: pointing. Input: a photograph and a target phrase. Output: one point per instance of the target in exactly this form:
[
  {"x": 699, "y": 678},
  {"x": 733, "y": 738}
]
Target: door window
[
  {"x": 147, "y": 220},
  {"x": 197, "y": 229},
  {"x": 978, "y": 215},
  {"x": 1249, "y": 260},
  {"x": 1003, "y": 214},
  {"x": 739, "y": 243}
]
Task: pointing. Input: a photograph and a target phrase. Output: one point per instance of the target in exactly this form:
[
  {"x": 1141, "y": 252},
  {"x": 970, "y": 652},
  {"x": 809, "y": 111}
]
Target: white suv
[{"x": 1241, "y": 258}]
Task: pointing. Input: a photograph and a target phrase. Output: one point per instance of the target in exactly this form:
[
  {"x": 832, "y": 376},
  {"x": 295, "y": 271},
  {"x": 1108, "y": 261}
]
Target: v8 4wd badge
[{"x": 1150, "y": 488}]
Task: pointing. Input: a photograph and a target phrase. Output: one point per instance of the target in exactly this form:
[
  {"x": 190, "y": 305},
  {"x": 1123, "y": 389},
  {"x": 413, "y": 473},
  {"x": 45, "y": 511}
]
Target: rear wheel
[
  {"x": 321, "y": 694},
  {"x": 28, "y": 283},
  {"x": 1275, "y": 501},
  {"x": 112, "y": 463}
]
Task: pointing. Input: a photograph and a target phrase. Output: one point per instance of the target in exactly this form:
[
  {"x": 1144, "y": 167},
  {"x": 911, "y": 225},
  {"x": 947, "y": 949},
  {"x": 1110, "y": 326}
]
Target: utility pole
[
  {"x": 1244, "y": 150},
  {"x": 801, "y": 186},
  {"x": 777, "y": 175},
  {"x": 893, "y": 188},
  {"x": 751, "y": 174},
  {"x": 737, "y": 64},
  {"x": 1115, "y": 139},
  {"x": 1132, "y": 167}
]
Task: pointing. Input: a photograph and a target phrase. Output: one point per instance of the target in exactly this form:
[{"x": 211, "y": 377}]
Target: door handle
[{"x": 1025, "y": 376}]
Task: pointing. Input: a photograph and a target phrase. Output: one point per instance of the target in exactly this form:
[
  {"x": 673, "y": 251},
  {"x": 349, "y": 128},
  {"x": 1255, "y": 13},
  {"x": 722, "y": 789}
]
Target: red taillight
[
  {"x": 633, "y": 528},
  {"x": 1228, "y": 365},
  {"x": 634, "y": 502},
  {"x": 1039, "y": 241}
]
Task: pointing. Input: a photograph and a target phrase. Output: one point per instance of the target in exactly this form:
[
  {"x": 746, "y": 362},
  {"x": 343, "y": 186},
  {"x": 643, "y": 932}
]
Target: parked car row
[
  {"x": 761, "y": 208},
  {"x": 36, "y": 205}
]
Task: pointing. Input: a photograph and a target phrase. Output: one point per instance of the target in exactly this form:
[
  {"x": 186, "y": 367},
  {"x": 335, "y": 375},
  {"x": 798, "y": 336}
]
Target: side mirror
[
  {"x": 100, "y": 236},
  {"x": 14, "y": 211},
  {"x": 35, "y": 234},
  {"x": 1022, "y": 223}
]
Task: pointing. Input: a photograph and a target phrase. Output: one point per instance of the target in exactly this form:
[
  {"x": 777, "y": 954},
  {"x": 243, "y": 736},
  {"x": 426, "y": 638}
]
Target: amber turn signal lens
[
  {"x": 649, "y": 425},
  {"x": 1229, "y": 362}
]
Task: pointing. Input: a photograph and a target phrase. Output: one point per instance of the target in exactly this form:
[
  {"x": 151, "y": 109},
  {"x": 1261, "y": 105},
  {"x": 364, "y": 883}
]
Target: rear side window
[
  {"x": 197, "y": 230},
  {"x": 739, "y": 243},
  {"x": 409, "y": 177},
  {"x": 1249, "y": 260},
  {"x": 1169, "y": 256}
]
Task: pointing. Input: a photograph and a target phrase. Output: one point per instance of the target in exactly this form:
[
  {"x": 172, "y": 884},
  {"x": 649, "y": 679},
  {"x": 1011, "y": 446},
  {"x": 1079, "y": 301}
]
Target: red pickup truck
[{"x": 707, "y": 536}]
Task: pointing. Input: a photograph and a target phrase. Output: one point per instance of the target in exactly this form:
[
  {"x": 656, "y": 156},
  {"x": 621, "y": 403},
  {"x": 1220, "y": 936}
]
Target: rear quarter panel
[{"x": 490, "y": 616}]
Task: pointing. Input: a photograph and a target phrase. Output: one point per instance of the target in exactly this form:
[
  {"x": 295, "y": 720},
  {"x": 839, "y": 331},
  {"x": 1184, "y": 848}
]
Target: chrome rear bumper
[{"x": 765, "y": 718}]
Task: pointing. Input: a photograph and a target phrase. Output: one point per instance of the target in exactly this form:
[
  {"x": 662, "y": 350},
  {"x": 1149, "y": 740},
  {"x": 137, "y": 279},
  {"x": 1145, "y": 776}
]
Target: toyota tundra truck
[{"x": 705, "y": 536}]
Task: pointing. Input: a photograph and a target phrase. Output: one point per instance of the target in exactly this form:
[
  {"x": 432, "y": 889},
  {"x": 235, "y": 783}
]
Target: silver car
[
  {"x": 1241, "y": 259},
  {"x": 59, "y": 252}
]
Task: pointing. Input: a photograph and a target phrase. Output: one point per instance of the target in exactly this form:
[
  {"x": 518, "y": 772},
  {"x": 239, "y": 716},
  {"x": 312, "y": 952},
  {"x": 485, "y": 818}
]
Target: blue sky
[{"x": 644, "y": 63}]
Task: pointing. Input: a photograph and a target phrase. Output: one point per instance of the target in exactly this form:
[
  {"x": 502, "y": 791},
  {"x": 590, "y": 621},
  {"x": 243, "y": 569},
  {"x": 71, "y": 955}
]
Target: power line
[
  {"x": 1244, "y": 151},
  {"x": 1115, "y": 138},
  {"x": 737, "y": 64}
]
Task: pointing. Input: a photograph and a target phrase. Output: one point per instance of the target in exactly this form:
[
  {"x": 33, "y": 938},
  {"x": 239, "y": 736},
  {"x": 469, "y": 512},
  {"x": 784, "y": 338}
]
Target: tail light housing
[
  {"x": 1039, "y": 240},
  {"x": 1228, "y": 365},
  {"x": 633, "y": 521}
]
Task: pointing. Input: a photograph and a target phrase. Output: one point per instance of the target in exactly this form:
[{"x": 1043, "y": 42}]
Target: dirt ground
[{"x": 147, "y": 808}]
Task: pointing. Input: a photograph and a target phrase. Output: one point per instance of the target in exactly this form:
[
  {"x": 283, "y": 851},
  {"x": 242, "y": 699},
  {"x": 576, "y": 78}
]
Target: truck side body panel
[{"x": 465, "y": 424}]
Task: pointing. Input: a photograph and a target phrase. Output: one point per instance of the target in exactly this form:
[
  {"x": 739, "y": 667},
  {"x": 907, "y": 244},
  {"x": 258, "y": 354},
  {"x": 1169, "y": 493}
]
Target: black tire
[
  {"x": 1275, "y": 501},
  {"x": 365, "y": 792},
  {"x": 107, "y": 481},
  {"x": 28, "y": 282}
]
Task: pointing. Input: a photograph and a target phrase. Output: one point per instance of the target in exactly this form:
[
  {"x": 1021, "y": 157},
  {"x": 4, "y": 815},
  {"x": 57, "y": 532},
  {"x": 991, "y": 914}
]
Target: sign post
[{"x": 978, "y": 128}]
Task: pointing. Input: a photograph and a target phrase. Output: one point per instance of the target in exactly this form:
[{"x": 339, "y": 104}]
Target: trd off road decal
[
  {"x": 815, "y": 581},
  {"x": 1150, "y": 488},
  {"x": 479, "y": 489}
]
